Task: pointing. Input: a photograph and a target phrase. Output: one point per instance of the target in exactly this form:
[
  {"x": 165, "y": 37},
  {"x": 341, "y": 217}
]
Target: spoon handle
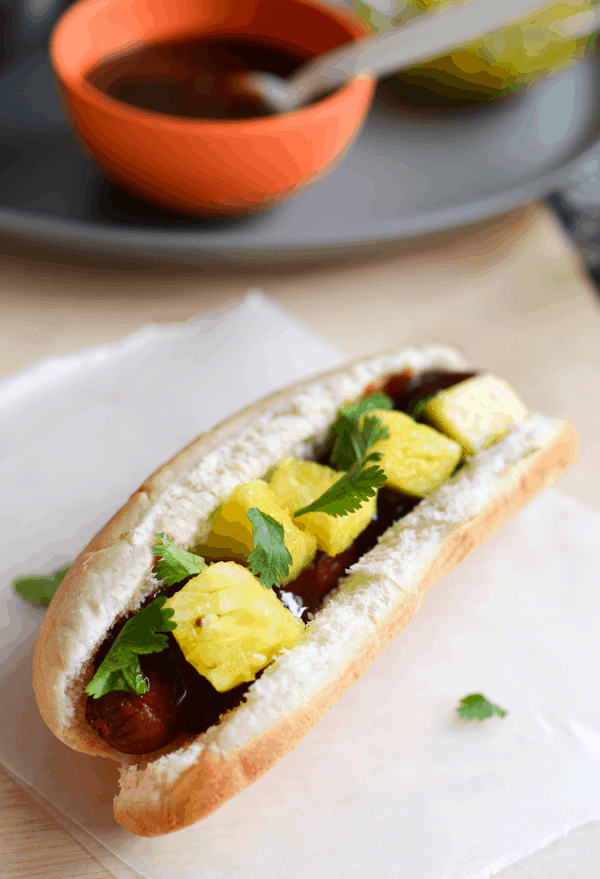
[{"x": 400, "y": 48}]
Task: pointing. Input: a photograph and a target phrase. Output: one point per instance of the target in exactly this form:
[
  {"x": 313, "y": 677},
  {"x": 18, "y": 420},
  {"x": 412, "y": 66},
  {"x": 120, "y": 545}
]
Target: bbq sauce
[
  {"x": 406, "y": 390},
  {"x": 189, "y": 79}
]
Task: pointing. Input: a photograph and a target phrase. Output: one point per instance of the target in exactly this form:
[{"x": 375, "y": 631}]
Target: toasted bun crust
[{"x": 193, "y": 777}]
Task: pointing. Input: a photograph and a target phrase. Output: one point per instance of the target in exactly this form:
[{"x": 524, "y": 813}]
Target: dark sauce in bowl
[{"x": 189, "y": 79}]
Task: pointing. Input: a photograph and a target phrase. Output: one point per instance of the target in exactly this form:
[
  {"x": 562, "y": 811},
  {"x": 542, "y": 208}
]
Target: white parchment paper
[{"x": 390, "y": 783}]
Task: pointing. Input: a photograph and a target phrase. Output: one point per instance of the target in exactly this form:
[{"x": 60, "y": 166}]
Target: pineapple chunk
[
  {"x": 416, "y": 458},
  {"x": 232, "y": 532},
  {"x": 297, "y": 483},
  {"x": 476, "y": 412},
  {"x": 229, "y": 626}
]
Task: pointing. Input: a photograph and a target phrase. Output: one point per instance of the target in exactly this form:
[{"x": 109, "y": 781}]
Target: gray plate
[{"x": 412, "y": 171}]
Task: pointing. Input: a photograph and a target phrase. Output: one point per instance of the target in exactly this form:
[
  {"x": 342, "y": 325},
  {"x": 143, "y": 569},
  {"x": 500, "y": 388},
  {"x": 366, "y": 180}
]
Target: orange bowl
[{"x": 204, "y": 166}]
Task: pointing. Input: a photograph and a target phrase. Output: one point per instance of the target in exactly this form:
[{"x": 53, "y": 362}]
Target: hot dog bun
[{"x": 192, "y": 777}]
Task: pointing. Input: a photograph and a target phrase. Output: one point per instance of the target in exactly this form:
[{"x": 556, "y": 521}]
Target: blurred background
[{"x": 450, "y": 142}]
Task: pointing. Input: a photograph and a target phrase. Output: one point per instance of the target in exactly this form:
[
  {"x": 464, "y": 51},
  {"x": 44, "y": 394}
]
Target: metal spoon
[{"x": 421, "y": 40}]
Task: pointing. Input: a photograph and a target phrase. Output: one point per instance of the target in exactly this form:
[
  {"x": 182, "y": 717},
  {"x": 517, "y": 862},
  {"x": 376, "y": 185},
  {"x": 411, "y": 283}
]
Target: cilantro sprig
[
  {"x": 353, "y": 441},
  {"x": 270, "y": 560},
  {"x": 349, "y": 439},
  {"x": 143, "y": 633},
  {"x": 477, "y": 707},
  {"x": 40, "y": 590},
  {"x": 377, "y": 400},
  {"x": 349, "y": 493},
  {"x": 353, "y": 433},
  {"x": 174, "y": 564}
]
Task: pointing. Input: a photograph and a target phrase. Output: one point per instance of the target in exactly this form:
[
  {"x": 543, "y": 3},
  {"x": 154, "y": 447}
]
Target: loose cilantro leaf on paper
[
  {"x": 349, "y": 440},
  {"x": 143, "y": 633},
  {"x": 477, "y": 707},
  {"x": 40, "y": 589},
  {"x": 349, "y": 493},
  {"x": 174, "y": 564},
  {"x": 270, "y": 559}
]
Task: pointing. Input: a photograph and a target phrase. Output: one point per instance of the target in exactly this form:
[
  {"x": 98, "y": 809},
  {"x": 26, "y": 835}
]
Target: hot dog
[{"x": 183, "y": 762}]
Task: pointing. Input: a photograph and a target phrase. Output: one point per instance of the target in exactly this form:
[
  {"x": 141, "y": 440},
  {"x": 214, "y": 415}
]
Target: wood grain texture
[{"x": 33, "y": 844}]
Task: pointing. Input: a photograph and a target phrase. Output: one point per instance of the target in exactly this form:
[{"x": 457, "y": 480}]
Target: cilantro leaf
[
  {"x": 174, "y": 564},
  {"x": 347, "y": 447},
  {"x": 40, "y": 589},
  {"x": 352, "y": 440},
  {"x": 349, "y": 493},
  {"x": 143, "y": 633},
  {"x": 270, "y": 559},
  {"x": 372, "y": 431},
  {"x": 346, "y": 443},
  {"x": 378, "y": 400},
  {"x": 416, "y": 406},
  {"x": 477, "y": 707}
]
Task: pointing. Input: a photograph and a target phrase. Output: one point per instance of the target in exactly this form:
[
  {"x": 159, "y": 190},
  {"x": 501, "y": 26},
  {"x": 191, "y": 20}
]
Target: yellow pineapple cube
[
  {"x": 298, "y": 483},
  {"x": 232, "y": 532},
  {"x": 476, "y": 412},
  {"x": 416, "y": 458},
  {"x": 229, "y": 626}
]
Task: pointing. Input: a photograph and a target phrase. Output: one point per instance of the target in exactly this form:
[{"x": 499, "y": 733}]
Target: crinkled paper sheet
[{"x": 390, "y": 783}]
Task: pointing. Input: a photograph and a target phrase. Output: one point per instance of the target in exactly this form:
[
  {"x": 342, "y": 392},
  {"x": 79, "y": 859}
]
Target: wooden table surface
[{"x": 511, "y": 293}]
